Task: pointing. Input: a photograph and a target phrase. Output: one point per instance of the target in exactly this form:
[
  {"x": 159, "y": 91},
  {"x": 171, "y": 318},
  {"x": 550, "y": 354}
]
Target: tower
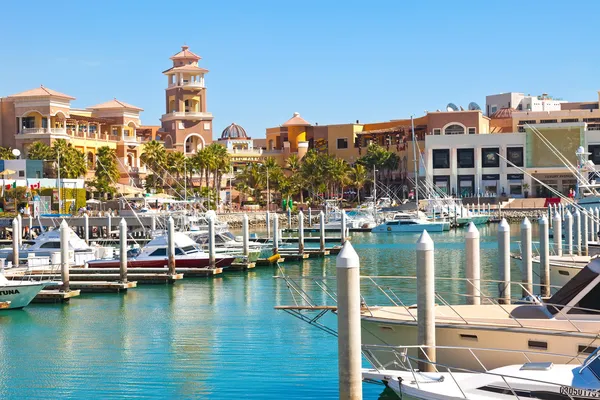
[{"x": 186, "y": 125}]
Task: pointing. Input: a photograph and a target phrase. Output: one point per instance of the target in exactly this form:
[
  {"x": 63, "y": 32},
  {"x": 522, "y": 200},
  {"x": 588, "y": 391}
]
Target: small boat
[
  {"x": 404, "y": 222},
  {"x": 188, "y": 254},
  {"x": 540, "y": 380},
  {"x": 19, "y": 294},
  {"x": 227, "y": 243}
]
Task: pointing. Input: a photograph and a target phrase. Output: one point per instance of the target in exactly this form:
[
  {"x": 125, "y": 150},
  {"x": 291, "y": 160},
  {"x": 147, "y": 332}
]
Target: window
[
  {"x": 494, "y": 109},
  {"x": 465, "y": 158},
  {"x": 441, "y": 158},
  {"x": 38, "y": 174},
  {"x": 50, "y": 245},
  {"x": 536, "y": 344},
  {"x": 472, "y": 131},
  {"x": 489, "y": 157},
  {"x": 115, "y": 132},
  {"x": 454, "y": 129},
  {"x": 437, "y": 131},
  {"x": 159, "y": 252},
  {"x": 515, "y": 190},
  {"x": 569, "y": 120},
  {"x": 342, "y": 143},
  {"x": 515, "y": 156},
  {"x": 21, "y": 173},
  {"x": 548, "y": 121},
  {"x": 594, "y": 150},
  {"x": 28, "y": 122}
]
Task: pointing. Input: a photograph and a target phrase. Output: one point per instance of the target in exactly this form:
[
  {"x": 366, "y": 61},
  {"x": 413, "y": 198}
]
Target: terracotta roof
[
  {"x": 186, "y": 68},
  {"x": 503, "y": 113},
  {"x": 296, "y": 120},
  {"x": 393, "y": 129},
  {"x": 42, "y": 91},
  {"x": 114, "y": 103},
  {"x": 185, "y": 53}
]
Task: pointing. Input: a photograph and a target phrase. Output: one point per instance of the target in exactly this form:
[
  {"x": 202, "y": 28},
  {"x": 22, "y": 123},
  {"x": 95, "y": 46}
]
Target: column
[
  {"x": 49, "y": 124},
  {"x": 87, "y": 129},
  {"x": 20, "y": 127},
  {"x": 76, "y": 128}
]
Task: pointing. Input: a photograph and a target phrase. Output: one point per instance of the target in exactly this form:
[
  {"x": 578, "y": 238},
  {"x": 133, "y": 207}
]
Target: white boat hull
[
  {"x": 429, "y": 227},
  {"x": 20, "y": 294}
]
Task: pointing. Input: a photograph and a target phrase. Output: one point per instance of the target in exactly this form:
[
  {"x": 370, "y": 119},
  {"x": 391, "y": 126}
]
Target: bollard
[
  {"x": 212, "y": 253},
  {"x": 322, "y": 231},
  {"x": 30, "y": 226},
  {"x": 597, "y": 224},
  {"x": 584, "y": 235},
  {"x": 300, "y": 232},
  {"x": 550, "y": 214},
  {"x": 86, "y": 228},
  {"x": 152, "y": 223},
  {"x": 504, "y": 262},
  {"x": 557, "y": 234},
  {"x": 171, "y": 246},
  {"x": 108, "y": 225},
  {"x": 349, "y": 327},
  {"x": 544, "y": 257},
  {"x": 473, "y": 273},
  {"x": 343, "y": 223},
  {"x": 569, "y": 232},
  {"x": 590, "y": 217},
  {"x": 309, "y": 217},
  {"x": 123, "y": 246},
  {"x": 289, "y": 218},
  {"x": 15, "y": 242},
  {"x": 577, "y": 233},
  {"x": 276, "y": 235},
  {"x": 527, "y": 263},
  {"x": 20, "y": 235},
  {"x": 64, "y": 255},
  {"x": 561, "y": 209},
  {"x": 245, "y": 236},
  {"x": 425, "y": 302},
  {"x": 268, "y": 217}
]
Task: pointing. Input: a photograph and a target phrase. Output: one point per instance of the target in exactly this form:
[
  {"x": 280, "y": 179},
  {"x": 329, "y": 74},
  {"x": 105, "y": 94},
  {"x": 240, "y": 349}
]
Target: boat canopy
[{"x": 582, "y": 291}]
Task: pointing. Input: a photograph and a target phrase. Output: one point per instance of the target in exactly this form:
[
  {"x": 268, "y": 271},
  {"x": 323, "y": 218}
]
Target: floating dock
[{"x": 55, "y": 296}]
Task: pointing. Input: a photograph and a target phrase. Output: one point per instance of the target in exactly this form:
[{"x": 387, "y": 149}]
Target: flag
[{"x": 14, "y": 185}]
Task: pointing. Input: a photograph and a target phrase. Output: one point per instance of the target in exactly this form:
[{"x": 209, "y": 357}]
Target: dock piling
[
  {"x": 349, "y": 328},
  {"x": 152, "y": 223},
  {"x": 289, "y": 218},
  {"x": 504, "y": 262},
  {"x": 86, "y": 228},
  {"x": 268, "y": 220},
  {"x": 473, "y": 272},
  {"x": 15, "y": 242},
  {"x": 108, "y": 225},
  {"x": 123, "y": 250},
  {"x": 591, "y": 222},
  {"x": 64, "y": 255},
  {"x": 212, "y": 253},
  {"x": 544, "y": 256},
  {"x": 597, "y": 224},
  {"x": 343, "y": 223},
  {"x": 569, "y": 231},
  {"x": 577, "y": 232},
  {"x": 171, "y": 246},
  {"x": 245, "y": 236},
  {"x": 426, "y": 302},
  {"x": 276, "y": 235},
  {"x": 527, "y": 277},
  {"x": 20, "y": 234},
  {"x": 30, "y": 220},
  {"x": 300, "y": 232},
  {"x": 557, "y": 231},
  {"x": 584, "y": 234},
  {"x": 322, "y": 231},
  {"x": 309, "y": 217}
]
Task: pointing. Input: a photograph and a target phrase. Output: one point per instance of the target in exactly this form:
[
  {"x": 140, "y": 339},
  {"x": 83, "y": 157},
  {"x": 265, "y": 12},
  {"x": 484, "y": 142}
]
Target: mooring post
[
  {"x": 584, "y": 234},
  {"x": 577, "y": 233},
  {"x": 343, "y": 228},
  {"x": 310, "y": 217},
  {"x": 589, "y": 214},
  {"x": 504, "y": 291},
  {"x": 569, "y": 232},
  {"x": 30, "y": 226},
  {"x": 86, "y": 228},
  {"x": 245, "y": 236},
  {"x": 289, "y": 218},
  {"x": 545, "y": 256},
  {"x": 526, "y": 257},
  {"x": 322, "y": 231},
  {"x": 152, "y": 223},
  {"x": 433, "y": 213},
  {"x": 20, "y": 235},
  {"x": 15, "y": 242},
  {"x": 212, "y": 253},
  {"x": 562, "y": 210},
  {"x": 596, "y": 216},
  {"x": 123, "y": 250},
  {"x": 349, "y": 328},
  {"x": 276, "y": 234},
  {"x": 64, "y": 255},
  {"x": 171, "y": 246},
  {"x": 300, "y": 232},
  {"x": 473, "y": 272},
  {"x": 425, "y": 302},
  {"x": 108, "y": 225},
  {"x": 557, "y": 234},
  {"x": 550, "y": 214},
  {"x": 268, "y": 218}
]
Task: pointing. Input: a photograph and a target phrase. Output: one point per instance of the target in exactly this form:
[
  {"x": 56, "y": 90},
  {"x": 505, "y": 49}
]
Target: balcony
[
  {"x": 187, "y": 115},
  {"x": 131, "y": 139},
  {"x": 188, "y": 85},
  {"x": 136, "y": 170},
  {"x": 38, "y": 131}
]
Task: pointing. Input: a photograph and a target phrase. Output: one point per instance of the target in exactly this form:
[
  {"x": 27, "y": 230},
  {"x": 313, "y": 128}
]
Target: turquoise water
[{"x": 202, "y": 338}]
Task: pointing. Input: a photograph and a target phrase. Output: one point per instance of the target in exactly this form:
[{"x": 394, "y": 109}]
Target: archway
[
  {"x": 193, "y": 143},
  {"x": 455, "y": 128},
  {"x": 168, "y": 141},
  {"x": 90, "y": 160}
]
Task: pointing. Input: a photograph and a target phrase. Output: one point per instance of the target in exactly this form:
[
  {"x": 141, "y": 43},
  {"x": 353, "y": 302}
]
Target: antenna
[
  {"x": 451, "y": 107},
  {"x": 474, "y": 106}
]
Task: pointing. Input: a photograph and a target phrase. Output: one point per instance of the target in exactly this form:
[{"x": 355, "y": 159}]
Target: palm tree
[
  {"x": 39, "y": 151},
  {"x": 6, "y": 153},
  {"x": 358, "y": 178},
  {"x": 293, "y": 165},
  {"x": 107, "y": 172},
  {"x": 176, "y": 163},
  {"x": 154, "y": 156},
  {"x": 73, "y": 163}
]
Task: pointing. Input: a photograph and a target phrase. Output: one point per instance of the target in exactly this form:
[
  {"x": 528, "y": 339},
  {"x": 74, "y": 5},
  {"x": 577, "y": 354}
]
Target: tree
[
  {"x": 176, "y": 164},
  {"x": 73, "y": 163},
  {"x": 39, "y": 151},
  {"x": 154, "y": 156},
  {"x": 107, "y": 173},
  {"x": 358, "y": 178},
  {"x": 6, "y": 153}
]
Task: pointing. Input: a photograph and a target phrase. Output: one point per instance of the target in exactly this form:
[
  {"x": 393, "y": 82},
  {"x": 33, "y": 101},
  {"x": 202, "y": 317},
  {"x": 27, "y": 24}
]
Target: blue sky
[{"x": 332, "y": 61}]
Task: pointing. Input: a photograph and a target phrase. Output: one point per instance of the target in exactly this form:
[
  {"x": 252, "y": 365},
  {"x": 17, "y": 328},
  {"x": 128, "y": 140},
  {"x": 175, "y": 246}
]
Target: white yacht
[
  {"x": 20, "y": 293},
  {"x": 405, "y": 222}
]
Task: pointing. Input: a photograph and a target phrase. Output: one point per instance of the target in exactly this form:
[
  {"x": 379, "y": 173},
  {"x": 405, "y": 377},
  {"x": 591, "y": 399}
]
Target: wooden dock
[
  {"x": 55, "y": 296},
  {"x": 241, "y": 266},
  {"x": 292, "y": 255},
  {"x": 309, "y": 239},
  {"x": 98, "y": 286}
]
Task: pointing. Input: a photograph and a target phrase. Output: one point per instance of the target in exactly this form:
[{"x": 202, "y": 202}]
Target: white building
[{"x": 521, "y": 102}]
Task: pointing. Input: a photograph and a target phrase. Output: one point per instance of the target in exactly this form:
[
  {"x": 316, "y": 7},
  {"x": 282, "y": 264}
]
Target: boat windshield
[
  {"x": 189, "y": 249},
  {"x": 569, "y": 293},
  {"x": 593, "y": 364}
]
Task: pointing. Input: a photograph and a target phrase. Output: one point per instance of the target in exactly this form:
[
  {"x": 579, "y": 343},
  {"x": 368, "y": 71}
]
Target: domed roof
[
  {"x": 234, "y": 131},
  {"x": 503, "y": 113}
]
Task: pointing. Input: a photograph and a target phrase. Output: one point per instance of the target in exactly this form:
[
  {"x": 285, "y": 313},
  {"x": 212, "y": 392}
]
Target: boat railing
[
  {"x": 412, "y": 358},
  {"x": 41, "y": 273},
  {"x": 553, "y": 250},
  {"x": 400, "y": 291}
]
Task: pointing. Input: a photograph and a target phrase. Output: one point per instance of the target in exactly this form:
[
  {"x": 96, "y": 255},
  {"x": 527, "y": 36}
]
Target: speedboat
[
  {"x": 20, "y": 293},
  {"x": 188, "y": 254},
  {"x": 404, "y": 222},
  {"x": 227, "y": 243},
  {"x": 570, "y": 379},
  {"x": 568, "y": 323}
]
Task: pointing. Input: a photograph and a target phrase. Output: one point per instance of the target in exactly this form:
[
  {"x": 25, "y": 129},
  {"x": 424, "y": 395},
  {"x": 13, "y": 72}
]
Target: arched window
[{"x": 454, "y": 129}]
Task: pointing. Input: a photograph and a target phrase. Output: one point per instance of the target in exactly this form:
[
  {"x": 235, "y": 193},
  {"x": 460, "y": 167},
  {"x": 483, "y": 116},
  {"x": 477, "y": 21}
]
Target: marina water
[{"x": 216, "y": 338}]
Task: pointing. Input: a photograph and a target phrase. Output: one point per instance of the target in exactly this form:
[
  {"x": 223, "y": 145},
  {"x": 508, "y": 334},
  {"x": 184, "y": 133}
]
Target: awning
[{"x": 127, "y": 189}]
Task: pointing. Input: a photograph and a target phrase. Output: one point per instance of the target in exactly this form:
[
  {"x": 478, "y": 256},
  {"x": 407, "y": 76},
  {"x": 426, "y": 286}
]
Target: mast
[{"x": 412, "y": 124}]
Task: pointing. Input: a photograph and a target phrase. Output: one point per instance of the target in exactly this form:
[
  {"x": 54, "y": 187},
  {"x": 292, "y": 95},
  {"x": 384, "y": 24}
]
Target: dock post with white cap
[
  {"x": 343, "y": 223},
  {"x": 276, "y": 235},
  {"x": 289, "y": 218},
  {"x": 123, "y": 250},
  {"x": 557, "y": 231},
  {"x": 426, "y": 302},
  {"x": 30, "y": 220},
  {"x": 86, "y": 228},
  {"x": 590, "y": 217},
  {"x": 20, "y": 234},
  {"x": 15, "y": 242},
  {"x": 152, "y": 223},
  {"x": 504, "y": 262},
  {"x": 584, "y": 234},
  {"x": 268, "y": 218},
  {"x": 212, "y": 253},
  {"x": 550, "y": 214},
  {"x": 577, "y": 233},
  {"x": 108, "y": 225},
  {"x": 322, "y": 231},
  {"x": 64, "y": 255},
  {"x": 171, "y": 246},
  {"x": 597, "y": 223},
  {"x": 526, "y": 258},
  {"x": 309, "y": 217},
  {"x": 544, "y": 256},
  {"x": 349, "y": 327},
  {"x": 473, "y": 273},
  {"x": 569, "y": 232},
  {"x": 245, "y": 236},
  {"x": 300, "y": 232}
]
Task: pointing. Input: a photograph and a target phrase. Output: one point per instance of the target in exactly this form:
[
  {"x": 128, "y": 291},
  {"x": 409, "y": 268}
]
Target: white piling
[
  {"x": 300, "y": 232},
  {"x": 268, "y": 218},
  {"x": 550, "y": 214},
  {"x": 245, "y": 236},
  {"x": 212, "y": 252},
  {"x": 597, "y": 224},
  {"x": 584, "y": 234},
  {"x": 349, "y": 326},
  {"x": 504, "y": 262},
  {"x": 123, "y": 250},
  {"x": 434, "y": 213},
  {"x": 171, "y": 246},
  {"x": 590, "y": 217},
  {"x": 343, "y": 228},
  {"x": 569, "y": 231},
  {"x": 30, "y": 221},
  {"x": 20, "y": 235},
  {"x": 473, "y": 273},
  {"x": 276, "y": 235},
  {"x": 64, "y": 255},
  {"x": 309, "y": 217},
  {"x": 289, "y": 218},
  {"x": 561, "y": 209},
  {"x": 526, "y": 258},
  {"x": 426, "y": 302},
  {"x": 153, "y": 223},
  {"x": 322, "y": 231},
  {"x": 86, "y": 228},
  {"x": 15, "y": 242},
  {"x": 557, "y": 234},
  {"x": 108, "y": 225},
  {"x": 544, "y": 256},
  {"x": 577, "y": 233}
]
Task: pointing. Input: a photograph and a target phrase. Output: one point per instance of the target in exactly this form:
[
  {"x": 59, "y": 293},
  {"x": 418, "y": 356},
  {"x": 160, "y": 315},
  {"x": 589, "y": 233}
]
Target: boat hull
[
  {"x": 221, "y": 262},
  {"x": 429, "y": 227},
  {"x": 20, "y": 294}
]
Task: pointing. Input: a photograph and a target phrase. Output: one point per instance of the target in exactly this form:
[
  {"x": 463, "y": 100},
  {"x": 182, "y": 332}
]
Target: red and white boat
[{"x": 188, "y": 254}]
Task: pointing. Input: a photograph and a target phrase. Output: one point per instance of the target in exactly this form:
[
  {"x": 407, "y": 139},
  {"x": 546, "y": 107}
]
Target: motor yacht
[
  {"x": 405, "y": 222},
  {"x": 20, "y": 293}
]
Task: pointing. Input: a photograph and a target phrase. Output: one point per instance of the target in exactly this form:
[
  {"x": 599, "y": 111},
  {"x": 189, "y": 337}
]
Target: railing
[
  {"x": 58, "y": 131},
  {"x": 137, "y": 170},
  {"x": 129, "y": 138},
  {"x": 182, "y": 114}
]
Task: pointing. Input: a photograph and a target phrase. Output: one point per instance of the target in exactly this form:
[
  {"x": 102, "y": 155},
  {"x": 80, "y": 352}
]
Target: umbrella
[{"x": 7, "y": 172}]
